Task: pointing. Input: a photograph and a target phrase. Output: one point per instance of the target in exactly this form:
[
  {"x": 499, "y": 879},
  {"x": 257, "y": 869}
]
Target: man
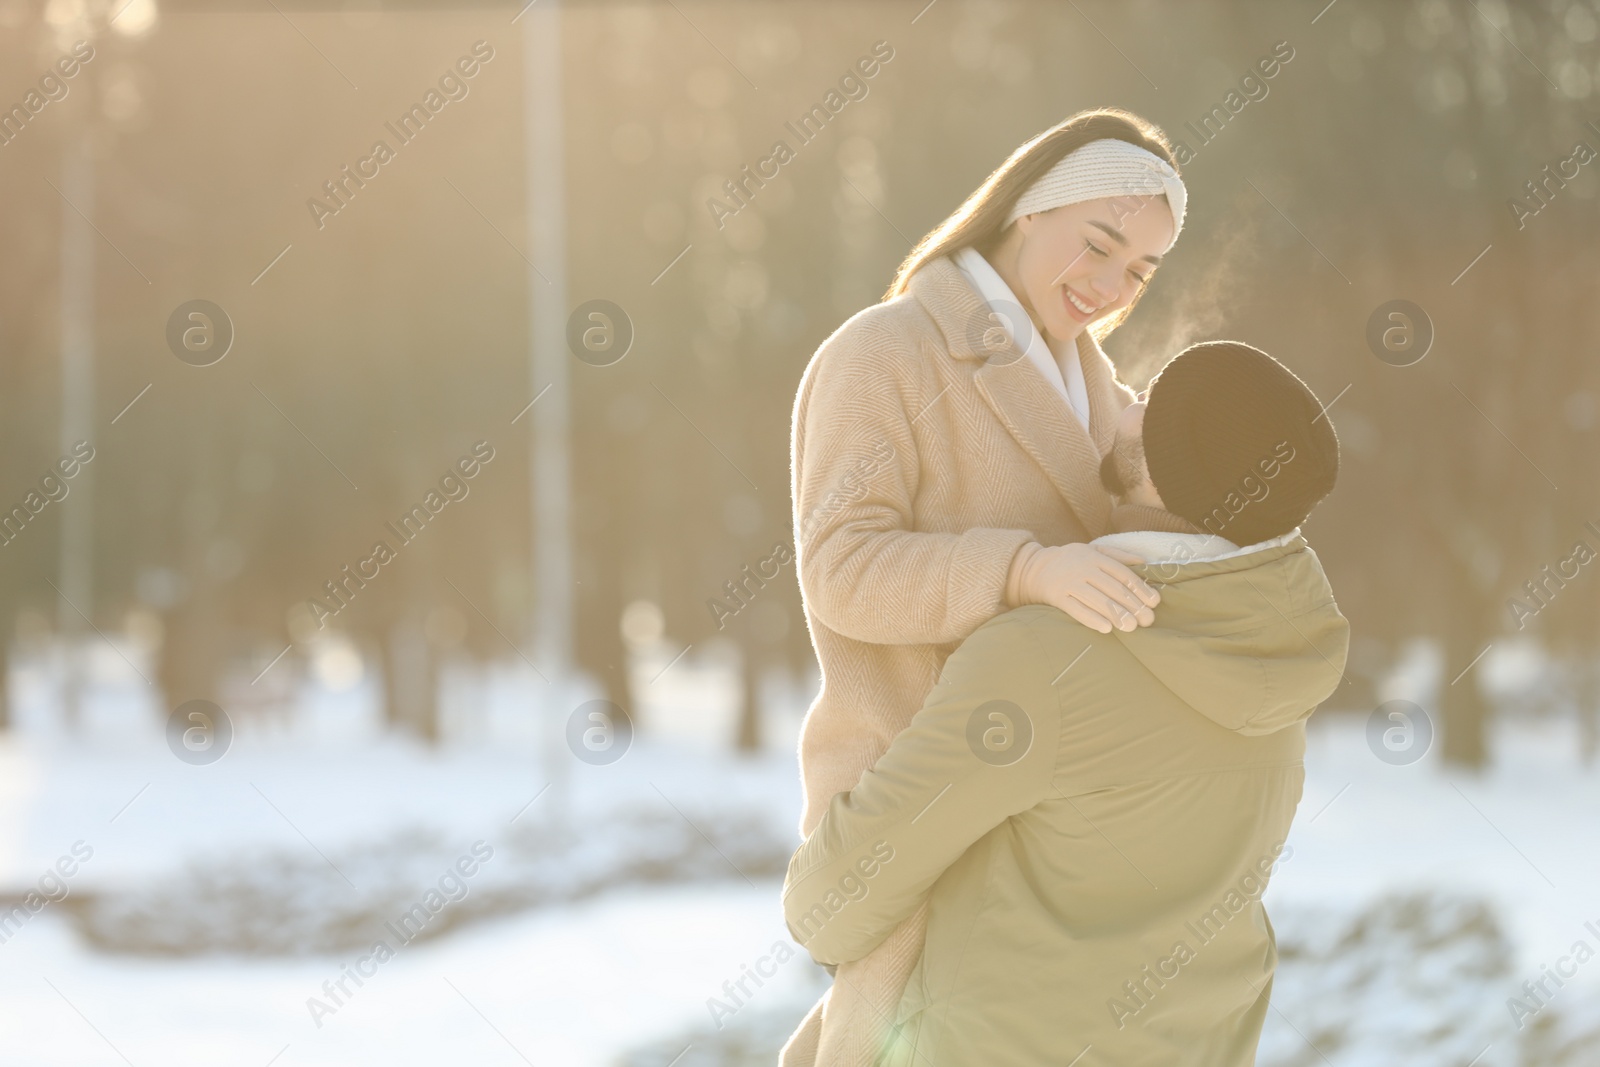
[{"x": 1093, "y": 817}]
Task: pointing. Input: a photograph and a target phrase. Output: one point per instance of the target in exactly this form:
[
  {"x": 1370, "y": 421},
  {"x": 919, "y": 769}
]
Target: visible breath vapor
[{"x": 1189, "y": 305}]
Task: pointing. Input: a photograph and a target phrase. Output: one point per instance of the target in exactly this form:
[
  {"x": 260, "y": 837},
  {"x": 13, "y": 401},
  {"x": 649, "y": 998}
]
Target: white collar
[
  {"x": 1066, "y": 375},
  {"x": 1157, "y": 546}
]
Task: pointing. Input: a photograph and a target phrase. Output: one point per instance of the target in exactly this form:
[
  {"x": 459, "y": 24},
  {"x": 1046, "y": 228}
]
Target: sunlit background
[{"x": 242, "y": 347}]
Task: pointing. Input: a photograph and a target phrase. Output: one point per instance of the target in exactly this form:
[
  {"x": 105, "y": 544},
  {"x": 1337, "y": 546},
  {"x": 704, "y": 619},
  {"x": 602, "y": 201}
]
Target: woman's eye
[
  {"x": 1141, "y": 279},
  {"x": 1096, "y": 249}
]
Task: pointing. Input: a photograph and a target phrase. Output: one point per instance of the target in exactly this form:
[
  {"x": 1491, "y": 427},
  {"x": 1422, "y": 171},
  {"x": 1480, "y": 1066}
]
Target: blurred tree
[{"x": 378, "y": 347}]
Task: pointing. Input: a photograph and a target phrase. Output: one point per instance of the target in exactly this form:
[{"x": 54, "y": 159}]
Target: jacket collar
[
  {"x": 1166, "y": 548},
  {"x": 1019, "y": 395}
]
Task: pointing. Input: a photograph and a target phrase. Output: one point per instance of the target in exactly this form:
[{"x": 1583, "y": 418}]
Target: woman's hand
[{"x": 1093, "y": 585}]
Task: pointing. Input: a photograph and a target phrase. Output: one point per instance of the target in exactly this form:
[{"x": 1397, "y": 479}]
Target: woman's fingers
[
  {"x": 1091, "y": 586},
  {"x": 1123, "y": 598},
  {"x": 1107, "y": 613},
  {"x": 1085, "y": 615},
  {"x": 1115, "y": 566}
]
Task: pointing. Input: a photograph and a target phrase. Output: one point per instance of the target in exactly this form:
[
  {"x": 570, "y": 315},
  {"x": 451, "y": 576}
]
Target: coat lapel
[
  {"x": 1025, "y": 403},
  {"x": 1042, "y": 424}
]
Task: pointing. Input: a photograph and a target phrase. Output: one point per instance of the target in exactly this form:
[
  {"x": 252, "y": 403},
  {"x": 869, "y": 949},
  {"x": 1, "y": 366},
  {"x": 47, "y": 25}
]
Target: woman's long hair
[{"x": 981, "y": 220}]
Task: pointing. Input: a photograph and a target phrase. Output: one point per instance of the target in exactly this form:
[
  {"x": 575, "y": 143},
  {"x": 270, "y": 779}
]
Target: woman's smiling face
[{"x": 1082, "y": 262}]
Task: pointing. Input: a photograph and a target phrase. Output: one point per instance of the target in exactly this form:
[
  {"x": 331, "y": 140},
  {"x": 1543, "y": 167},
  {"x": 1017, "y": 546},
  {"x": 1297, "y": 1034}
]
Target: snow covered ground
[
  {"x": 1415, "y": 903},
  {"x": 577, "y": 983}
]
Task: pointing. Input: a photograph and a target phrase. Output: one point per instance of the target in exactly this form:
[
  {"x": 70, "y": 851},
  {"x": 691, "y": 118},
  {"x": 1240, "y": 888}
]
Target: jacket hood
[{"x": 1250, "y": 638}]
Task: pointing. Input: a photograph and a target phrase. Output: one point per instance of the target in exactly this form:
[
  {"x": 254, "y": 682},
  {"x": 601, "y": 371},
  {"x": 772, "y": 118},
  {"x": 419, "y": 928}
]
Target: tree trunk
[
  {"x": 1464, "y": 713},
  {"x": 1588, "y": 709},
  {"x": 598, "y": 647},
  {"x": 411, "y": 679},
  {"x": 749, "y": 738},
  {"x": 190, "y": 651},
  {"x": 5, "y": 684}
]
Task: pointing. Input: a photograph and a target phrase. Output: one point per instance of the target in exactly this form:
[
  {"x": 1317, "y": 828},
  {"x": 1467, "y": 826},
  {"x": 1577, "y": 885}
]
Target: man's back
[{"x": 1092, "y": 818}]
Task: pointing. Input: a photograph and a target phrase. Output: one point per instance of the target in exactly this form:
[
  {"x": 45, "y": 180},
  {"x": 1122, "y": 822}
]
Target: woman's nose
[{"x": 1105, "y": 286}]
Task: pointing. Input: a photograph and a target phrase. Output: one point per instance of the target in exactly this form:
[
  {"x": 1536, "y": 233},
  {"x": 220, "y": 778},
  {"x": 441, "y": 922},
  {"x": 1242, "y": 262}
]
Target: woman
[{"x": 945, "y": 463}]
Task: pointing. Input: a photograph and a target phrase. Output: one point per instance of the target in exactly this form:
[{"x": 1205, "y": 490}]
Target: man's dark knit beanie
[{"x": 1237, "y": 443}]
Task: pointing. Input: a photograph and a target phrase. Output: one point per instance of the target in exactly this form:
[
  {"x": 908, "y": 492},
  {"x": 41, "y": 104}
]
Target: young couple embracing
[{"x": 1069, "y": 639}]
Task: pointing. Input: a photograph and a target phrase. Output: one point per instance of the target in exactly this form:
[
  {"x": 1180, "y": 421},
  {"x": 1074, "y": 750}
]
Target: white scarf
[{"x": 1065, "y": 371}]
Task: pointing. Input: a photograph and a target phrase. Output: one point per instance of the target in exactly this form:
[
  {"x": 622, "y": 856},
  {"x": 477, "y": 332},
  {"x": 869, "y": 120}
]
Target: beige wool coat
[{"x": 926, "y": 450}]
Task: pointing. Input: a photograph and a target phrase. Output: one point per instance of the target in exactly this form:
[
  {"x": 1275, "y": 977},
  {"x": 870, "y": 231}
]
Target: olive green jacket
[{"x": 1093, "y": 818}]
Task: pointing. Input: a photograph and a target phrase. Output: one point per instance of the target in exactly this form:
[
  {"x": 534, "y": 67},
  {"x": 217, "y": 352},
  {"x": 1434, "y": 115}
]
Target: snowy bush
[
  {"x": 295, "y": 902},
  {"x": 1416, "y": 980}
]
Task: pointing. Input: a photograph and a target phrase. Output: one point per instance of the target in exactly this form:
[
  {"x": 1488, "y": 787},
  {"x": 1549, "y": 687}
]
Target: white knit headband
[{"x": 1103, "y": 168}]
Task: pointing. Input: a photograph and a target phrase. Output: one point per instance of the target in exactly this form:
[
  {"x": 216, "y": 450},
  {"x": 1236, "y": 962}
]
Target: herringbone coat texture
[{"x": 926, "y": 450}]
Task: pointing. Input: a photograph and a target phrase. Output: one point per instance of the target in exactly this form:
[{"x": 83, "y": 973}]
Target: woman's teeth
[{"x": 1086, "y": 309}]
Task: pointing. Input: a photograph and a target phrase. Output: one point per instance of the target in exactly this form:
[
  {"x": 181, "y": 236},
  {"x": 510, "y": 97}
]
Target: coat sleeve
[
  {"x": 982, "y": 749},
  {"x": 864, "y": 571}
]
